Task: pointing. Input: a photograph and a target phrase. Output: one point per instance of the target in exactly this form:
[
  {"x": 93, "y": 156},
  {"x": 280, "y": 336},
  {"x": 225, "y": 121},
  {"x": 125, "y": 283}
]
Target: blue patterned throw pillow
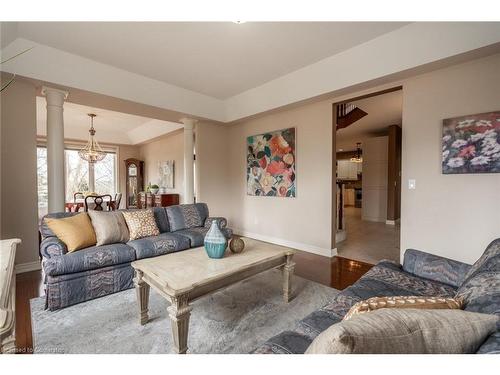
[{"x": 481, "y": 288}]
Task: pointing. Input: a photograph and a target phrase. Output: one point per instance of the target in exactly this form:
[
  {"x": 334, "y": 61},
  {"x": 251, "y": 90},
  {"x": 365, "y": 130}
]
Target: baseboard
[
  {"x": 392, "y": 222},
  {"x": 294, "y": 245},
  {"x": 374, "y": 219},
  {"x": 27, "y": 267}
]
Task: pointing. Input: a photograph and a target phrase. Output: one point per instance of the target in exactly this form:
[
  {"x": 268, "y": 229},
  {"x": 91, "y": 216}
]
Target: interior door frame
[{"x": 334, "y": 152}]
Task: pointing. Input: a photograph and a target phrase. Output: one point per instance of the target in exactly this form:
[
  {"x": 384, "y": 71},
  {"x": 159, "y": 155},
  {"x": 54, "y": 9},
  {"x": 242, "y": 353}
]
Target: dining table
[{"x": 79, "y": 203}]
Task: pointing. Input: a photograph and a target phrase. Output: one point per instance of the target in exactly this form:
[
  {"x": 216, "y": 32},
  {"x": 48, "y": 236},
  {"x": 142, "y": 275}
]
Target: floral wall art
[
  {"x": 471, "y": 144},
  {"x": 271, "y": 164}
]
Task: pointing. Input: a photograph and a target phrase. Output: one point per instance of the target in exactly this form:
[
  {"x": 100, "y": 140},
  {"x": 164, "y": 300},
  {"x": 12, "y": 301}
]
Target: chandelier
[
  {"x": 357, "y": 158},
  {"x": 92, "y": 152}
]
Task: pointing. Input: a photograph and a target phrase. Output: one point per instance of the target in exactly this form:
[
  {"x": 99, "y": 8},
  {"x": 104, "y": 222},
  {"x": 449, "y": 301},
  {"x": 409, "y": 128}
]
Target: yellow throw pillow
[
  {"x": 141, "y": 223},
  {"x": 403, "y": 302},
  {"x": 75, "y": 231}
]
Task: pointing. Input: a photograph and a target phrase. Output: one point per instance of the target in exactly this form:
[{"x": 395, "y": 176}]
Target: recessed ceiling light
[
  {"x": 341, "y": 149},
  {"x": 239, "y": 22}
]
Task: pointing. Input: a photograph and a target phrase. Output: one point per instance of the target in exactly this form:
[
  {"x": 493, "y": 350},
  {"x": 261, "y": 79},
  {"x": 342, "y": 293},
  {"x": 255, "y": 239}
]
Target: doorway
[{"x": 367, "y": 175}]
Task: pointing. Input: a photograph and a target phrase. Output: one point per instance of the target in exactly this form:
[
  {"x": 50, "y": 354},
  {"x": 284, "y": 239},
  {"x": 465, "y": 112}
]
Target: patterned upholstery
[
  {"x": 384, "y": 279},
  {"x": 196, "y": 236},
  {"x": 66, "y": 290},
  {"x": 491, "y": 345},
  {"x": 51, "y": 247},
  {"x": 161, "y": 218},
  {"x": 89, "y": 259},
  {"x": 158, "y": 245},
  {"x": 221, "y": 222},
  {"x": 187, "y": 216},
  {"x": 481, "y": 288},
  {"x": 433, "y": 267},
  {"x": 100, "y": 270}
]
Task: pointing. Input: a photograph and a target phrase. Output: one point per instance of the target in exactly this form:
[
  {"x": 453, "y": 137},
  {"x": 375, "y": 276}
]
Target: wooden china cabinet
[
  {"x": 134, "y": 181},
  {"x": 148, "y": 200}
]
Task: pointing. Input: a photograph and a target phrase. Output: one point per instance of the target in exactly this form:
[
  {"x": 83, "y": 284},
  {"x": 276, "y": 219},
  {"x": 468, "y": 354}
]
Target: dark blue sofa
[
  {"x": 97, "y": 271},
  {"x": 422, "y": 274}
]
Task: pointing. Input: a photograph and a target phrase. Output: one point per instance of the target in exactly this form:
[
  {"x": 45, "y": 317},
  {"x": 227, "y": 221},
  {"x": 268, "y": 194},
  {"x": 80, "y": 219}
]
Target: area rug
[{"x": 235, "y": 320}]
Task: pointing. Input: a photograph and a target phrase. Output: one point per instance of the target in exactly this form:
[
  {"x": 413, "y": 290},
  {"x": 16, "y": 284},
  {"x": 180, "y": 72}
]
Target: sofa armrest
[
  {"x": 51, "y": 247},
  {"x": 221, "y": 222},
  {"x": 434, "y": 267}
]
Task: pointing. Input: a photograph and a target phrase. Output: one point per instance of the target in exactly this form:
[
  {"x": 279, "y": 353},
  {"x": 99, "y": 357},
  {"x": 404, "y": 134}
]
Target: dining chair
[
  {"x": 78, "y": 195},
  {"x": 118, "y": 198},
  {"x": 98, "y": 203}
]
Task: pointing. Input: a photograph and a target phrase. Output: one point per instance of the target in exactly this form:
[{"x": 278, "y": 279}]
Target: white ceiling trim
[
  {"x": 406, "y": 48},
  {"x": 152, "y": 129},
  {"x": 52, "y": 65}
]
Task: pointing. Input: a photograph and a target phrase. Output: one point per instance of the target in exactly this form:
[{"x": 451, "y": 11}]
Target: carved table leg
[
  {"x": 179, "y": 312},
  {"x": 142, "y": 289},
  {"x": 8, "y": 345},
  {"x": 287, "y": 278}
]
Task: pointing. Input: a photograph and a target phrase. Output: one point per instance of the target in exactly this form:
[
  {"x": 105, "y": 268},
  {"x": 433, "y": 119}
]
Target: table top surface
[{"x": 186, "y": 269}]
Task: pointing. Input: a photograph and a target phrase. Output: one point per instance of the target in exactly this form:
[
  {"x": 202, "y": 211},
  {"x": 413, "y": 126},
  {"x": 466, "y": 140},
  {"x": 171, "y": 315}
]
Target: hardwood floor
[
  {"x": 336, "y": 272},
  {"x": 28, "y": 285}
]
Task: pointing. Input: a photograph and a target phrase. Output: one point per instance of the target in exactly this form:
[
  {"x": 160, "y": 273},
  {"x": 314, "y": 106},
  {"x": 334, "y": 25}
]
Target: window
[
  {"x": 104, "y": 175},
  {"x": 78, "y": 175}
]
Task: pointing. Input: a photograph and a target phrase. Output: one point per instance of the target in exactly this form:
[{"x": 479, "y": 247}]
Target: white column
[
  {"x": 188, "y": 159},
  {"x": 55, "y": 147}
]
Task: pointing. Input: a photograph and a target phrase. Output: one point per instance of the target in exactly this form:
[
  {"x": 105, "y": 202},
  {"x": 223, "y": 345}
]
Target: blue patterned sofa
[
  {"x": 97, "y": 271},
  {"x": 421, "y": 274}
]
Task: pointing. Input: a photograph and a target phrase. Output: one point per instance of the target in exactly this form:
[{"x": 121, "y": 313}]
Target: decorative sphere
[{"x": 236, "y": 245}]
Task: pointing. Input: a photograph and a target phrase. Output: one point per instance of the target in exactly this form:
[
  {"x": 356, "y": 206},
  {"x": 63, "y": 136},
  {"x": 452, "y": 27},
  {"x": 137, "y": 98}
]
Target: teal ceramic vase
[{"x": 215, "y": 242}]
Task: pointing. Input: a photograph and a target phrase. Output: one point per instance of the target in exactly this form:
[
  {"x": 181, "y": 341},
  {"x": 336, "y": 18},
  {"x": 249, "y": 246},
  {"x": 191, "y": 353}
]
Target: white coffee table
[{"x": 187, "y": 275}]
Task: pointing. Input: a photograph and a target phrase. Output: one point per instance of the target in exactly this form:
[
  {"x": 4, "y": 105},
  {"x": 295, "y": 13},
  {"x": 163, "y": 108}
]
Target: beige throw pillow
[
  {"x": 403, "y": 302},
  {"x": 407, "y": 331},
  {"x": 141, "y": 223},
  {"x": 75, "y": 231},
  {"x": 109, "y": 227}
]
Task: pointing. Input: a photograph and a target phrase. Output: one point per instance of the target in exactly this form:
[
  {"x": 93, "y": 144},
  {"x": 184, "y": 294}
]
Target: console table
[
  {"x": 148, "y": 200},
  {"x": 7, "y": 295}
]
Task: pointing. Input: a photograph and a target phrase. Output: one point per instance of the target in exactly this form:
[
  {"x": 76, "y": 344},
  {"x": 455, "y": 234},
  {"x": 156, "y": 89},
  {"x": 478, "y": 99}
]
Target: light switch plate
[{"x": 412, "y": 184}]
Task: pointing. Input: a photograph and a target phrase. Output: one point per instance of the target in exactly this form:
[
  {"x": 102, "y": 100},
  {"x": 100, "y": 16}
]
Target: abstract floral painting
[
  {"x": 271, "y": 164},
  {"x": 471, "y": 144}
]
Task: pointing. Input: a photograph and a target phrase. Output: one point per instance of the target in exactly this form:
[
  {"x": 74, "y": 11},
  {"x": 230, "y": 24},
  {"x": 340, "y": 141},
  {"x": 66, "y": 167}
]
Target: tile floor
[{"x": 368, "y": 241}]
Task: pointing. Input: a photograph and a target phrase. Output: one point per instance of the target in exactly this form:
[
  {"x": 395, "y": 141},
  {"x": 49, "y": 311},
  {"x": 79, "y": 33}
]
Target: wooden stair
[{"x": 348, "y": 114}]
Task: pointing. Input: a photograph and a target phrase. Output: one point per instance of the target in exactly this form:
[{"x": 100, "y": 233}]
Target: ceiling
[
  {"x": 219, "y": 59},
  {"x": 111, "y": 127},
  {"x": 383, "y": 110}
]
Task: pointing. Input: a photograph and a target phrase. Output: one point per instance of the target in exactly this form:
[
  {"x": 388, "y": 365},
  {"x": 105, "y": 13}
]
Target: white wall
[
  {"x": 169, "y": 147},
  {"x": 303, "y": 222},
  {"x": 212, "y": 184},
  {"x": 451, "y": 215},
  {"x": 18, "y": 169},
  {"x": 374, "y": 182}
]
